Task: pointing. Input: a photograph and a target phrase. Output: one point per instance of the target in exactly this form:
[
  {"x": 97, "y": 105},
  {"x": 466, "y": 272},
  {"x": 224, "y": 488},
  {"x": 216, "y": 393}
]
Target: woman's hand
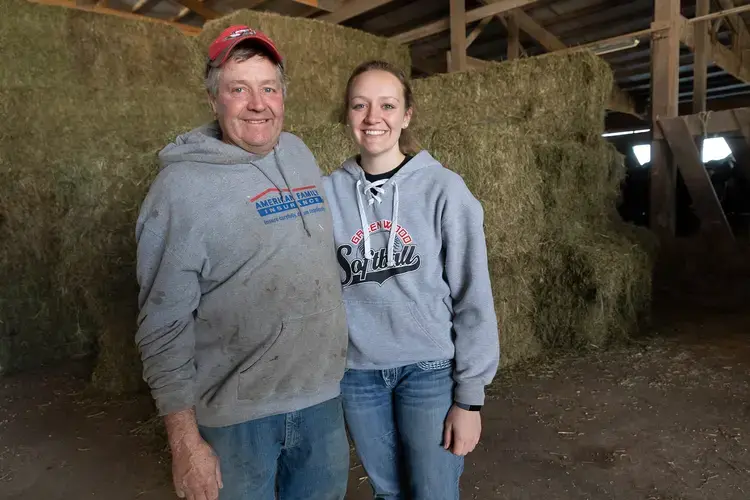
[{"x": 462, "y": 430}]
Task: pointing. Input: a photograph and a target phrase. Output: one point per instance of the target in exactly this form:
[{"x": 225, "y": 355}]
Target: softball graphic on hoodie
[{"x": 413, "y": 265}]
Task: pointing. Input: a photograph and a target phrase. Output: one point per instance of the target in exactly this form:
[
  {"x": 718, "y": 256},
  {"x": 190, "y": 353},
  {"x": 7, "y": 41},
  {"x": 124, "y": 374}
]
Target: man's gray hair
[{"x": 239, "y": 54}]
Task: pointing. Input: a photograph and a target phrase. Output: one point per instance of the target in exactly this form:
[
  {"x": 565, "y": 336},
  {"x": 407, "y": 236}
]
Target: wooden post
[
  {"x": 459, "y": 62},
  {"x": 714, "y": 225},
  {"x": 514, "y": 39},
  {"x": 700, "y": 57},
  {"x": 665, "y": 60}
]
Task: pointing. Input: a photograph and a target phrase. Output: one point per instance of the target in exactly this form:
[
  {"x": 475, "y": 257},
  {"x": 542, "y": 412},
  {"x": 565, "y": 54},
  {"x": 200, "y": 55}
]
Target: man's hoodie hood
[
  {"x": 364, "y": 189},
  {"x": 204, "y": 145}
]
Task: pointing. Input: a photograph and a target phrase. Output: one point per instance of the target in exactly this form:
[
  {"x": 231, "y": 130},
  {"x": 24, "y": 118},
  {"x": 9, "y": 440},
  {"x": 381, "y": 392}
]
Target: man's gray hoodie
[
  {"x": 413, "y": 264},
  {"x": 240, "y": 301}
]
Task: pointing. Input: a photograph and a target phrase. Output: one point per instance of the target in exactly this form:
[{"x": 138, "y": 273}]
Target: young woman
[{"x": 423, "y": 339}]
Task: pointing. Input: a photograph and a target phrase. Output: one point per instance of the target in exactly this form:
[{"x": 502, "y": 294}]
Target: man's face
[{"x": 250, "y": 104}]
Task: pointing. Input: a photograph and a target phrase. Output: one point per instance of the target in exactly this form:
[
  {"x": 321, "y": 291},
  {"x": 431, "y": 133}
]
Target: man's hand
[
  {"x": 195, "y": 466},
  {"x": 461, "y": 431}
]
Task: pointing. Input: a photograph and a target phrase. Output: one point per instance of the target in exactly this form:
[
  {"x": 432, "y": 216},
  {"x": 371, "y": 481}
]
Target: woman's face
[{"x": 377, "y": 112}]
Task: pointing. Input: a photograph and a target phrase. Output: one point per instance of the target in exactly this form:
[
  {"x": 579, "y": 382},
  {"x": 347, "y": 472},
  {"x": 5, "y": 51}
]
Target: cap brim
[{"x": 224, "y": 54}]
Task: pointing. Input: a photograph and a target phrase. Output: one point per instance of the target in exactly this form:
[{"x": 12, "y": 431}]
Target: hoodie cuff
[
  {"x": 469, "y": 393},
  {"x": 172, "y": 402}
]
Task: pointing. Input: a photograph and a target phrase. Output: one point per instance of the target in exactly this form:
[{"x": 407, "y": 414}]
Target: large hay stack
[
  {"x": 526, "y": 137},
  {"x": 89, "y": 100}
]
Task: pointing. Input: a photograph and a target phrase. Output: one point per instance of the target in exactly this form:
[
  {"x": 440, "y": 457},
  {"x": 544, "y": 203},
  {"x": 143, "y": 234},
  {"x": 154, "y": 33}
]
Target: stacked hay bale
[
  {"x": 526, "y": 137},
  {"x": 88, "y": 101}
]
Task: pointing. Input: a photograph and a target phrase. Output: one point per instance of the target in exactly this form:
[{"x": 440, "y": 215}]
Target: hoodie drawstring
[
  {"x": 365, "y": 188},
  {"x": 289, "y": 187}
]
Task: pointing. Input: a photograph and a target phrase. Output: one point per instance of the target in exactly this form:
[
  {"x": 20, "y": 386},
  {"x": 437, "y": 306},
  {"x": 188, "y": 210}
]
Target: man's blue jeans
[
  {"x": 395, "y": 418},
  {"x": 302, "y": 455}
]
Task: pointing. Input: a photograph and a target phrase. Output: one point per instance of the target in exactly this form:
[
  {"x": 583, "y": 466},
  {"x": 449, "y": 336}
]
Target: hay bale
[
  {"x": 43, "y": 46},
  {"x": 320, "y": 57},
  {"x": 79, "y": 162},
  {"x": 555, "y": 96},
  {"x": 563, "y": 275},
  {"x": 330, "y": 144},
  {"x": 498, "y": 165}
]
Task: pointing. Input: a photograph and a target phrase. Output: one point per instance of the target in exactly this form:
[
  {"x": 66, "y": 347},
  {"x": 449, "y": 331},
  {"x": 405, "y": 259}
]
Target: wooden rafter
[
  {"x": 665, "y": 57},
  {"x": 727, "y": 122},
  {"x": 326, "y": 5},
  {"x": 472, "y": 15},
  {"x": 620, "y": 100},
  {"x": 707, "y": 206},
  {"x": 477, "y": 30},
  {"x": 188, "y": 30},
  {"x": 351, "y": 9},
  {"x": 140, "y": 4},
  {"x": 700, "y": 61},
  {"x": 724, "y": 57},
  {"x": 200, "y": 8},
  {"x": 738, "y": 25},
  {"x": 458, "y": 61},
  {"x": 514, "y": 36},
  {"x": 504, "y": 20},
  {"x": 181, "y": 15}
]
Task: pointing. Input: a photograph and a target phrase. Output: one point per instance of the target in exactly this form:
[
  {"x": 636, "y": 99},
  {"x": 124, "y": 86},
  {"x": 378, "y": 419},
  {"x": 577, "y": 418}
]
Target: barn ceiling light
[{"x": 608, "y": 48}]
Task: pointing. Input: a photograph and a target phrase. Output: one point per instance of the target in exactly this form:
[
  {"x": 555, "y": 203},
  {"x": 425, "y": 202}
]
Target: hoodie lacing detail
[{"x": 366, "y": 188}]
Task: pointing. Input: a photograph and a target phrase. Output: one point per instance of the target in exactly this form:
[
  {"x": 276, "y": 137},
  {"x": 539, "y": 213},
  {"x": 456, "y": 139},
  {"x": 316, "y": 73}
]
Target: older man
[{"x": 242, "y": 331}]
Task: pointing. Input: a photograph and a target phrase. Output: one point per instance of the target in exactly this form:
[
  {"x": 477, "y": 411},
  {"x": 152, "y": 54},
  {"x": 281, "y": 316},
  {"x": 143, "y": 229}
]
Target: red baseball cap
[{"x": 230, "y": 37}]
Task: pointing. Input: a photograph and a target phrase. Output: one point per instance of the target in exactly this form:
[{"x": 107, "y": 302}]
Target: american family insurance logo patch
[{"x": 275, "y": 205}]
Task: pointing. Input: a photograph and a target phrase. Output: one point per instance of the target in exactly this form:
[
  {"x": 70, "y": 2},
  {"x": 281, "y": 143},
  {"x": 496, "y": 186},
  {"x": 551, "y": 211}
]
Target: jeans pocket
[{"x": 429, "y": 366}]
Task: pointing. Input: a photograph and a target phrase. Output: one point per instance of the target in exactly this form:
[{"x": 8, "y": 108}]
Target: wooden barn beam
[
  {"x": 730, "y": 121},
  {"x": 514, "y": 35},
  {"x": 350, "y": 9},
  {"x": 620, "y": 100},
  {"x": 326, "y": 5},
  {"x": 537, "y": 31},
  {"x": 707, "y": 206},
  {"x": 742, "y": 39},
  {"x": 477, "y": 30},
  {"x": 458, "y": 61},
  {"x": 140, "y": 4},
  {"x": 730, "y": 61},
  {"x": 188, "y": 30},
  {"x": 181, "y": 15},
  {"x": 473, "y": 15},
  {"x": 200, "y": 8},
  {"x": 665, "y": 57},
  {"x": 700, "y": 58}
]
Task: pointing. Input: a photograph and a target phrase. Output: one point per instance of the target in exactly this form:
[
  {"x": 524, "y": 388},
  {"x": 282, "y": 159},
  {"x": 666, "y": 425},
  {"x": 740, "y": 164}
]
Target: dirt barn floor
[{"x": 666, "y": 418}]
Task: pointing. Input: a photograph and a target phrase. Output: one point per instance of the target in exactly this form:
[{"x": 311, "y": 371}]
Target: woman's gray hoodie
[{"x": 413, "y": 264}]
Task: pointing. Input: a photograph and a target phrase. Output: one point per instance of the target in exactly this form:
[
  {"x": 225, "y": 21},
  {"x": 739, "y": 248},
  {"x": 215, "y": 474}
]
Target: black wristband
[{"x": 468, "y": 407}]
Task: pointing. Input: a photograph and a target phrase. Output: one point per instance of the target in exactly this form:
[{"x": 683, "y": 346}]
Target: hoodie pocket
[
  {"x": 308, "y": 354},
  {"x": 383, "y": 332}
]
